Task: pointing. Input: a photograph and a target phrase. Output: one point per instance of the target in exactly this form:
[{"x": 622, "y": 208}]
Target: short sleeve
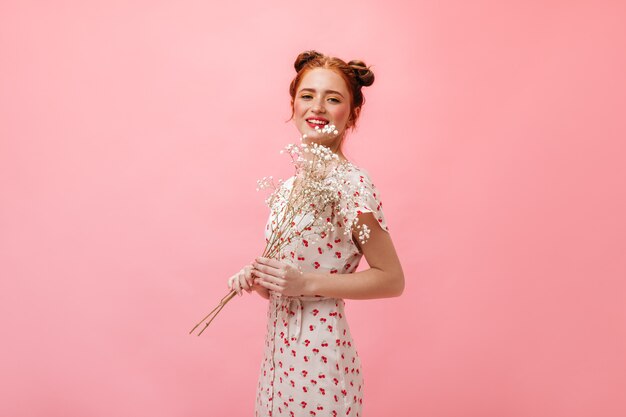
[{"x": 369, "y": 200}]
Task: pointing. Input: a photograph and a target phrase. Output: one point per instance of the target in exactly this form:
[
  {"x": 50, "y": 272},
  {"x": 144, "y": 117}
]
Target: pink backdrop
[{"x": 131, "y": 137}]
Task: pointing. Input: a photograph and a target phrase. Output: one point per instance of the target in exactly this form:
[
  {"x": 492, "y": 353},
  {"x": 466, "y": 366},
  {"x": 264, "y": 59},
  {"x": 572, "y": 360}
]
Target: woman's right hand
[{"x": 244, "y": 280}]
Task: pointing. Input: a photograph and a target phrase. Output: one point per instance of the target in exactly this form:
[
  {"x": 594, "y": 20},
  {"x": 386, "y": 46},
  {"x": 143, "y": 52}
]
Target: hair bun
[
  {"x": 305, "y": 57},
  {"x": 363, "y": 74}
]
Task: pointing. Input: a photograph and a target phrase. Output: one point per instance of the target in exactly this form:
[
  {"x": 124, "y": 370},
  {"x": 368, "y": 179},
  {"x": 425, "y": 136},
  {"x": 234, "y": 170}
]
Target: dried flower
[{"x": 325, "y": 189}]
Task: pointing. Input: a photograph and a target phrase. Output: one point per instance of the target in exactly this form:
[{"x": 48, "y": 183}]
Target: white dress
[{"x": 311, "y": 366}]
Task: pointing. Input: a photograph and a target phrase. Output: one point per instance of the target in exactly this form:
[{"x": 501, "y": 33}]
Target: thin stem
[{"x": 221, "y": 305}]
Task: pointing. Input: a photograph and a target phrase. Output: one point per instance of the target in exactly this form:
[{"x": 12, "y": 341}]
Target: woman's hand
[
  {"x": 244, "y": 280},
  {"x": 279, "y": 276}
]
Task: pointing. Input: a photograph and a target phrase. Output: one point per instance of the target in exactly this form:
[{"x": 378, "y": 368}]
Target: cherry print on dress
[{"x": 324, "y": 371}]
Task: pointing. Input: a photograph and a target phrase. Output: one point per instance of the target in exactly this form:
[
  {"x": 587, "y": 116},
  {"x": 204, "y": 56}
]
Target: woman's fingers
[
  {"x": 243, "y": 281},
  {"x": 271, "y": 279},
  {"x": 237, "y": 284},
  {"x": 270, "y": 270},
  {"x": 269, "y": 262},
  {"x": 265, "y": 273},
  {"x": 248, "y": 275},
  {"x": 269, "y": 285}
]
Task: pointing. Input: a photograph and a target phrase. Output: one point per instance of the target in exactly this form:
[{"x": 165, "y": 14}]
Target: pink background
[{"x": 131, "y": 138}]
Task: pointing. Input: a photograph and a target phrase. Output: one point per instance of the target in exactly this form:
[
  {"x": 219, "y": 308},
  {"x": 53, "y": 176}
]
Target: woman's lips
[{"x": 320, "y": 125}]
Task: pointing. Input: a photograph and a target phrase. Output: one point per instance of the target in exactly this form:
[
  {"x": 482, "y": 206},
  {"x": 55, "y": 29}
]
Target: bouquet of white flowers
[{"x": 322, "y": 188}]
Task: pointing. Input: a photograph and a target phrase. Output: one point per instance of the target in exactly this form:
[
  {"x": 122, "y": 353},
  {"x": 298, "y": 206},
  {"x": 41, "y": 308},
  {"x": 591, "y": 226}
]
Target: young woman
[{"x": 311, "y": 366}]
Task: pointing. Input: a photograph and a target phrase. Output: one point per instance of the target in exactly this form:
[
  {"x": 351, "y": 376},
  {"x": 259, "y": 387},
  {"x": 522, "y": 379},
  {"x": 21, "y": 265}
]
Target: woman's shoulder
[
  {"x": 357, "y": 173},
  {"x": 366, "y": 194}
]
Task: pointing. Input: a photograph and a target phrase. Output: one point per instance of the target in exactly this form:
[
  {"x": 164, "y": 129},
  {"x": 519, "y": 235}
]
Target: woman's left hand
[{"x": 279, "y": 276}]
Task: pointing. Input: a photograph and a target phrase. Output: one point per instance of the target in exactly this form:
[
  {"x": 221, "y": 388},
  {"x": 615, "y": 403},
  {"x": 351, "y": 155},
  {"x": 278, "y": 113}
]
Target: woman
[{"x": 311, "y": 366}]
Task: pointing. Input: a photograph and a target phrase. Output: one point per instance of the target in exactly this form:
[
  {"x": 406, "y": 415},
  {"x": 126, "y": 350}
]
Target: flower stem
[{"x": 216, "y": 310}]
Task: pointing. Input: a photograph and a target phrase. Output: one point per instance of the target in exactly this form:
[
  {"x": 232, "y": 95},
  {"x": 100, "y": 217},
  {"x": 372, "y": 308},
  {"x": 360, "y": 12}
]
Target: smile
[{"x": 316, "y": 122}]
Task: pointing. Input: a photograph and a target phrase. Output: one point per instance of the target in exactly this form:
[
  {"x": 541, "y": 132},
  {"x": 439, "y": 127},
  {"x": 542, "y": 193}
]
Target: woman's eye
[
  {"x": 335, "y": 100},
  {"x": 306, "y": 96}
]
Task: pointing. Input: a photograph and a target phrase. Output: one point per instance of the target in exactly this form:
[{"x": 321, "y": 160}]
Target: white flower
[{"x": 328, "y": 190}]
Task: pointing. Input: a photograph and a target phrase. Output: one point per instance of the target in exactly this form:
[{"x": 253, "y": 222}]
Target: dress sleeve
[{"x": 369, "y": 200}]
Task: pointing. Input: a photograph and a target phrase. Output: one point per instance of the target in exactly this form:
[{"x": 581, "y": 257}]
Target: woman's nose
[{"x": 318, "y": 107}]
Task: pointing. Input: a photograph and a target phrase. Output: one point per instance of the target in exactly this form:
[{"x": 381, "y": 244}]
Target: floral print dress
[{"x": 310, "y": 365}]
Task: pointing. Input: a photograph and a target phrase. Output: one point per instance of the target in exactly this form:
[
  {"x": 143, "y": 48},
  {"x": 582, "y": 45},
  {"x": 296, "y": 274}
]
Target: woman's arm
[{"x": 383, "y": 279}]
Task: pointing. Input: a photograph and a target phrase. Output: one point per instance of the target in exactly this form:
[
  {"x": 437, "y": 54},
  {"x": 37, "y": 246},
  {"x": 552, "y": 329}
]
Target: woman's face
[{"x": 322, "y": 98}]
